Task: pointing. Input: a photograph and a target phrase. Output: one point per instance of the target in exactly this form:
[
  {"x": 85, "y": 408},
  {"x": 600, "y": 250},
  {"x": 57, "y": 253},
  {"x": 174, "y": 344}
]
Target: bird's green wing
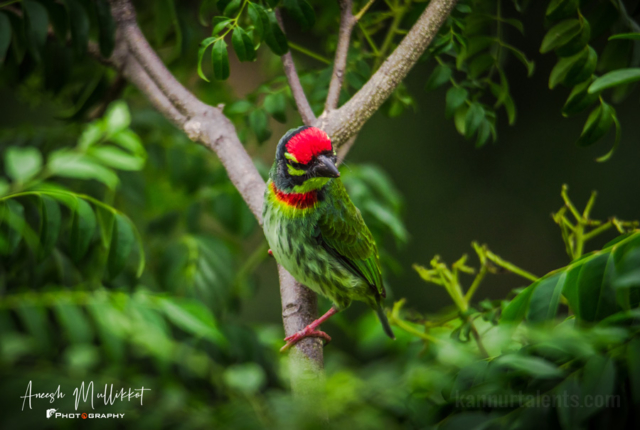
[{"x": 345, "y": 235}]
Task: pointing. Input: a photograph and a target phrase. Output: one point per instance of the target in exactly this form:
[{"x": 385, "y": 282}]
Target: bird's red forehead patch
[{"x": 308, "y": 143}]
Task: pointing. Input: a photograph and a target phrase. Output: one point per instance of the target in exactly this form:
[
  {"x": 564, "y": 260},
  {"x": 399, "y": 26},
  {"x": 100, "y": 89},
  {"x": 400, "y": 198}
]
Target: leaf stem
[{"x": 309, "y": 53}]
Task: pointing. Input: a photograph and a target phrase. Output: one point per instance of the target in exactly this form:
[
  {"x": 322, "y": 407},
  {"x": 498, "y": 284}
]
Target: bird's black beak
[{"x": 325, "y": 167}]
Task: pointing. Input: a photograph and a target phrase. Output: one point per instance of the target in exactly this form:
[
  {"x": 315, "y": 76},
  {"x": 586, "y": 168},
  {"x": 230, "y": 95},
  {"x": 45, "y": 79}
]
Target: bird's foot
[{"x": 308, "y": 331}]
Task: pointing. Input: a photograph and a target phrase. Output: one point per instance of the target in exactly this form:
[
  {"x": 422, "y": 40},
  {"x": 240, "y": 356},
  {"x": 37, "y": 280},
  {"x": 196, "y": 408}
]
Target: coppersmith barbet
[{"x": 315, "y": 231}]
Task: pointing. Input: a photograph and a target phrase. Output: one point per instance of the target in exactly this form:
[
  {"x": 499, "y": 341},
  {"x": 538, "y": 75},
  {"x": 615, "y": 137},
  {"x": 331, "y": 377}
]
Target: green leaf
[
  {"x": 247, "y": 378},
  {"x": 106, "y": 28},
  {"x": 22, "y": 164},
  {"x": 220, "y": 58},
  {"x": 117, "y": 158},
  {"x": 259, "y": 123},
  {"x": 79, "y": 23},
  {"x": 238, "y": 107},
  {"x": 533, "y": 366},
  {"x": 475, "y": 116},
  {"x": 109, "y": 327},
  {"x": 122, "y": 239},
  {"x": 257, "y": 20},
  {"x": 597, "y": 125},
  {"x": 58, "y": 19},
  {"x": 587, "y": 283},
  {"x": 576, "y": 43},
  {"x": 130, "y": 141},
  {"x": 50, "y": 221},
  {"x": 459, "y": 119},
  {"x": 5, "y": 36},
  {"x": 275, "y": 38},
  {"x": 83, "y": 228},
  {"x": 480, "y": 64},
  {"x": 163, "y": 11},
  {"x": 633, "y": 352},
  {"x": 456, "y": 96},
  {"x": 36, "y": 24},
  {"x": 201, "y": 50},
  {"x": 440, "y": 75},
  {"x": 616, "y": 142},
  {"x": 580, "y": 73},
  {"x": 70, "y": 164},
  {"x": 560, "y": 34},
  {"x": 35, "y": 319},
  {"x": 19, "y": 39},
  {"x": 243, "y": 45},
  {"x": 615, "y": 78},
  {"x": 91, "y": 135},
  {"x": 232, "y": 8},
  {"x": 515, "y": 23},
  {"x": 560, "y": 9},
  {"x": 579, "y": 99},
  {"x": 14, "y": 225},
  {"x": 545, "y": 298},
  {"x": 484, "y": 131},
  {"x": 598, "y": 381},
  {"x": 142, "y": 260},
  {"x": 73, "y": 321},
  {"x": 510, "y": 107},
  {"x": 220, "y": 23},
  {"x": 301, "y": 11},
  {"x": 575, "y": 69},
  {"x": 194, "y": 318},
  {"x": 630, "y": 36},
  {"x": 516, "y": 310},
  {"x": 117, "y": 117},
  {"x": 275, "y": 105},
  {"x": 520, "y": 56}
]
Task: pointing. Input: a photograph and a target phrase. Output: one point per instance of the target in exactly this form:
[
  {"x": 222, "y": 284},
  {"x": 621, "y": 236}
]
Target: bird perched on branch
[{"x": 315, "y": 231}]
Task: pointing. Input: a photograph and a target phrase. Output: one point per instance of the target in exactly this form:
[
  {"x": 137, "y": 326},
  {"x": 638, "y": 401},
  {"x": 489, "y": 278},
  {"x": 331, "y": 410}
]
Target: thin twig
[
  {"x": 125, "y": 16},
  {"x": 346, "y": 121},
  {"x": 308, "y": 118},
  {"x": 347, "y": 21}
]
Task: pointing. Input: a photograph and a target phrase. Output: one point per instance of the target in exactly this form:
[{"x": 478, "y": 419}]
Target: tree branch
[
  {"x": 345, "y": 122},
  {"x": 206, "y": 124},
  {"x": 125, "y": 16},
  {"x": 347, "y": 21},
  {"x": 308, "y": 118}
]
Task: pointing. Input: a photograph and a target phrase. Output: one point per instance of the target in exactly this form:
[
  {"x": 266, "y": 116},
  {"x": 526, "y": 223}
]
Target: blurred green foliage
[{"x": 127, "y": 256}]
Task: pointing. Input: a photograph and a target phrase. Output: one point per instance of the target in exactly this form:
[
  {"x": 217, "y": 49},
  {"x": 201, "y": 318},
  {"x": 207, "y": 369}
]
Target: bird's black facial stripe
[{"x": 301, "y": 166}]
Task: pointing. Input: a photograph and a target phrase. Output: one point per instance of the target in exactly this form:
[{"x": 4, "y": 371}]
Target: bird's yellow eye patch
[
  {"x": 295, "y": 172},
  {"x": 289, "y": 156}
]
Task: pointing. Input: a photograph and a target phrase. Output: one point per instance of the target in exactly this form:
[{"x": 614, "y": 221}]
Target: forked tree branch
[
  {"x": 207, "y": 124},
  {"x": 347, "y": 21},
  {"x": 345, "y": 122},
  {"x": 308, "y": 118},
  {"x": 140, "y": 65}
]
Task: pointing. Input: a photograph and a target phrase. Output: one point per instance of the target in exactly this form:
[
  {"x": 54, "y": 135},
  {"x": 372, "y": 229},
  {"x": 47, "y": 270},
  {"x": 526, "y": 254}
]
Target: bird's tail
[{"x": 385, "y": 322}]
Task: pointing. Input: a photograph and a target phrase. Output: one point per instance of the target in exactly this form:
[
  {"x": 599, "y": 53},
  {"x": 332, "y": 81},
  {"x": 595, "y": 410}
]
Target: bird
[{"x": 316, "y": 232}]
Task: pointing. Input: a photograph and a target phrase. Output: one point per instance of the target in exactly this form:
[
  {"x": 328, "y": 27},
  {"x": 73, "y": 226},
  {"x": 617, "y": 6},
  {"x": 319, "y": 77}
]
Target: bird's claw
[{"x": 306, "y": 332}]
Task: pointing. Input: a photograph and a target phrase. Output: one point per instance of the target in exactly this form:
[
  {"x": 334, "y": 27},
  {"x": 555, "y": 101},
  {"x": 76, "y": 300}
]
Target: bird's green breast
[{"x": 293, "y": 235}]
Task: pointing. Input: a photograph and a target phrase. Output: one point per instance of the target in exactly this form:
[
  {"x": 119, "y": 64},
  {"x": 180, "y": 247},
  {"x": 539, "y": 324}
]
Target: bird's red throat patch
[
  {"x": 308, "y": 143},
  {"x": 296, "y": 200}
]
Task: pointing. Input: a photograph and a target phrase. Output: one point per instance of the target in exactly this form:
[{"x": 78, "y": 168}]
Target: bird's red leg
[{"x": 310, "y": 331}]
